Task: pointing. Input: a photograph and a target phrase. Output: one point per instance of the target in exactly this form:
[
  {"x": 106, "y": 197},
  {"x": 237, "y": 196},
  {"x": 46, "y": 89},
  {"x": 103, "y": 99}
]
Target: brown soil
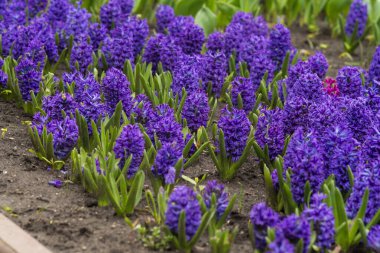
[{"x": 69, "y": 220}]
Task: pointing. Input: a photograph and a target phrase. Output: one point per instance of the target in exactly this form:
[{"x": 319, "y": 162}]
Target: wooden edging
[{"x": 15, "y": 240}]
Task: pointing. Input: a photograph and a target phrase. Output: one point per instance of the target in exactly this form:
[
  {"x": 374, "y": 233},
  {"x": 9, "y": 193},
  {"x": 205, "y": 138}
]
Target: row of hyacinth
[{"x": 333, "y": 122}]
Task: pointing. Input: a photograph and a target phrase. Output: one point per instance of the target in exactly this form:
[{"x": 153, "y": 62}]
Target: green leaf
[
  {"x": 134, "y": 195},
  {"x": 186, "y": 7},
  {"x": 182, "y": 230},
  {"x": 206, "y": 19}
]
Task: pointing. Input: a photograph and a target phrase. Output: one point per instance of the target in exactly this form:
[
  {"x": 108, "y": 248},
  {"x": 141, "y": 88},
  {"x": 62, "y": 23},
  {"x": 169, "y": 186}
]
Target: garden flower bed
[{"x": 140, "y": 128}]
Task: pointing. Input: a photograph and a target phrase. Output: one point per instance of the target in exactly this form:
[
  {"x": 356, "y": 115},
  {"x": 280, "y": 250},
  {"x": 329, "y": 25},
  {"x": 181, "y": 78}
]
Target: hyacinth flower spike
[
  {"x": 184, "y": 218},
  {"x": 355, "y": 28},
  {"x": 231, "y": 151}
]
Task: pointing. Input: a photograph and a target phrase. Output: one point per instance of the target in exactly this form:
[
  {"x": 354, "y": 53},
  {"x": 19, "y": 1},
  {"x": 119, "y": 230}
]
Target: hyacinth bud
[
  {"x": 236, "y": 128},
  {"x": 65, "y": 136},
  {"x": 262, "y": 217},
  {"x": 164, "y": 16},
  {"x": 183, "y": 199},
  {"x": 164, "y": 165},
  {"x": 29, "y": 77},
  {"x": 196, "y": 110},
  {"x": 279, "y": 44},
  {"x": 357, "y": 17},
  {"x": 322, "y": 218},
  {"x": 304, "y": 157},
  {"x": 222, "y": 201},
  {"x": 130, "y": 142},
  {"x": 374, "y": 68}
]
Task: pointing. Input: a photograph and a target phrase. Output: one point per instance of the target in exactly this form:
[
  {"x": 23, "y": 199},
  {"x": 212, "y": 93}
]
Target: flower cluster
[
  {"x": 164, "y": 165},
  {"x": 214, "y": 188},
  {"x": 130, "y": 142},
  {"x": 236, "y": 127},
  {"x": 196, "y": 110},
  {"x": 356, "y": 18},
  {"x": 183, "y": 199}
]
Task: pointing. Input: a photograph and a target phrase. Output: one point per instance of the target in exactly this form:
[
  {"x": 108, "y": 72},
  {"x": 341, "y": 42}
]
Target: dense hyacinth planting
[{"x": 118, "y": 101}]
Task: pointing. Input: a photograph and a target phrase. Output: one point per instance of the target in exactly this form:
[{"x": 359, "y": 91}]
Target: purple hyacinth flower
[
  {"x": 130, "y": 142},
  {"x": 161, "y": 48},
  {"x": 196, "y": 110},
  {"x": 183, "y": 199},
  {"x": 77, "y": 23},
  {"x": 319, "y": 64},
  {"x": 371, "y": 146},
  {"x": 81, "y": 54},
  {"x": 322, "y": 218},
  {"x": 54, "y": 105},
  {"x": 134, "y": 29},
  {"x": 39, "y": 121},
  {"x": 280, "y": 245},
  {"x": 324, "y": 115},
  {"x": 296, "y": 228},
  {"x": 308, "y": 86},
  {"x": 304, "y": 156},
  {"x": 279, "y": 44},
  {"x": 142, "y": 109},
  {"x": 115, "y": 89},
  {"x": 359, "y": 117},
  {"x": 35, "y": 6},
  {"x": 189, "y": 36},
  {"x": 373, "y": 238},
  {"x": 164, "y": 165},
  {"x": 110, "y": 14},
  {"x": 340, "y": 151},
  {"x": 357, "y": 17},
  {"x": 246, "y": 89},
  {"x": 222, "y": 201},
  {"x": 236, "y": 128},
  {"x": 213, "y": 69},
  {"x": 297, "y": 70},
  {"x": 165, "y": 127},
  {"x": 262, "y": 217},
  {"x": 117, "y": 51},
  {"x": 374, "y": 68},
  {"x": 65, "y": 135},
  {"x": 349, "y": 82},
  {"x": 215, "y": 42},
  {"x": 164, "y": 16},
  {"x": 29, "y": 77},
  {"x": 56, "y": 183},
  {"x": 57, "y": 13},
  {"x": 367, "y": 177},
  {"x": 186, "y": 75},
  {"x": 296, "y": 110},
  {"x": 270, "y": 130},
  {"x": 97, "y": 33},
  {"x": 250, "y": 48},
  {"x": 259, "y": 65}
]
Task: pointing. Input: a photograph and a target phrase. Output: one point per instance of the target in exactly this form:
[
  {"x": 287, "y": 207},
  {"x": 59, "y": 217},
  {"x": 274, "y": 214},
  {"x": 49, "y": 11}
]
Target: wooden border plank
[{"x": 15, "y": 240}]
